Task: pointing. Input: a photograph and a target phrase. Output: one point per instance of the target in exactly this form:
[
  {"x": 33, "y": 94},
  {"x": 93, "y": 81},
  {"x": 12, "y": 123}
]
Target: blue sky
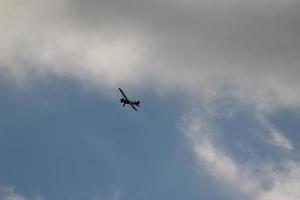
[
  {"x": 217, "y": 81},
  {"x": 67, "y": 143}
]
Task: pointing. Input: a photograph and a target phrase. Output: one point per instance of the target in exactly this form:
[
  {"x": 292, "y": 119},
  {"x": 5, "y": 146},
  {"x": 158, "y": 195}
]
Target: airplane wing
[
  {"x": 123, "y": 94},
  {"x": 128, "y": 100},
  {"x": 133, "y": 106}
]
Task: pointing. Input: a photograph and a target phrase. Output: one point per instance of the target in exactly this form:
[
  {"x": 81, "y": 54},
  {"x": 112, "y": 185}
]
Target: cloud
[
  {"x": 281, "y": 141},
  {"x": 285, "y": 184},
  {"x": 9, "y": 193},
  {"x": 262, "y": 181},
  {"x": 276, "y": 137},
  {"x": 36, "y": 44},
  {"x": 115, "y": 195},
  {"x": 241, "y": 49}
]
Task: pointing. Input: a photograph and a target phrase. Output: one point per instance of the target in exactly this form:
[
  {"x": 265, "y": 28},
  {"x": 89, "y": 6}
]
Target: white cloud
[
  {"x": 281, "y": 141},
  {"x": 263, "y": 181},
  {"x": 39, "y": 39},
  {"x": 115, "y": 195},
  {"x": 276, "y": 137},
  {"x": 286, "y": 184},
  {"x": 9, "y": 193}
]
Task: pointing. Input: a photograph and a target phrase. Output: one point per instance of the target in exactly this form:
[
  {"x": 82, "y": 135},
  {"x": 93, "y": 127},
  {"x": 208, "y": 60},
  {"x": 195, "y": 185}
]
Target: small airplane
[{"x": 125, "y": 101}]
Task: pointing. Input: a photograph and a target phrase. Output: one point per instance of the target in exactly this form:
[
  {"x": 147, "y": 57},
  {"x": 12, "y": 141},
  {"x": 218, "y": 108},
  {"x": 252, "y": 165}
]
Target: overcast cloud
[{"x": 248, "y": 50}]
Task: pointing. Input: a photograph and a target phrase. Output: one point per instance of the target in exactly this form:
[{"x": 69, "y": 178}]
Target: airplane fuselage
[{"x": 125, "y": 101}]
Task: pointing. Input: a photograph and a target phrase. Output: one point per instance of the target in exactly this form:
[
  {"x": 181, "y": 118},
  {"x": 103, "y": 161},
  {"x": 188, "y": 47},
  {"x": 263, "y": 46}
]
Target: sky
[{"x": 217, "y": 81}]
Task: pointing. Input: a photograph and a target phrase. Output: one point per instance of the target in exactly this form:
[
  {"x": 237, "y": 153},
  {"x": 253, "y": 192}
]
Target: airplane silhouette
[{"x": 125, "y": 101}]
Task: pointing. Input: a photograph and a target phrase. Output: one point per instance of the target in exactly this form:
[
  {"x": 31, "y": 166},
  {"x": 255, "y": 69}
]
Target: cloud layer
[{"x": 241, "y": 49}]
